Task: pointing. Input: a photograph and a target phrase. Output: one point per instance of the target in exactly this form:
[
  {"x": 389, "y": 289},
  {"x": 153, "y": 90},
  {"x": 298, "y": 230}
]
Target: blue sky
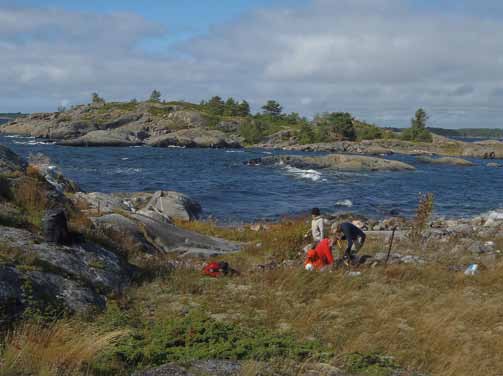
[{"x": 379, "y": 59}]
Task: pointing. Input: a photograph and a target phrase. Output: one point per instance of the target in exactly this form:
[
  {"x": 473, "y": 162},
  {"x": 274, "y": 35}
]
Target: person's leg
[{"x": 358, "y": 244}]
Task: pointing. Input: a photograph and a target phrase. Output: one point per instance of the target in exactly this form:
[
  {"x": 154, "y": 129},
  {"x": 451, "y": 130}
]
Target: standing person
[
  {"x": 353, "y": 235},
  {"x": 317, "y": 229}
]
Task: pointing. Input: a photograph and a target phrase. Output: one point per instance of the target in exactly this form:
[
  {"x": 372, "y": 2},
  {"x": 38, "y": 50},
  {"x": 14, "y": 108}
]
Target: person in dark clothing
[{"x": 352, "y": 234}]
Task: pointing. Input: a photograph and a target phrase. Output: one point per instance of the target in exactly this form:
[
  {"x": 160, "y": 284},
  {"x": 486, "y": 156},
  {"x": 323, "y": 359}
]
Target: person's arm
[{"x": 363, "y": 236}]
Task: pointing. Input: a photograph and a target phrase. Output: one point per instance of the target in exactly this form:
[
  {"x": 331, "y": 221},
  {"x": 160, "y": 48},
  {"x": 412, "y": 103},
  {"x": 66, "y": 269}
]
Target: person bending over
[
  {"x": 352, "y": 234},
  {"x": 320, "y": 257}
]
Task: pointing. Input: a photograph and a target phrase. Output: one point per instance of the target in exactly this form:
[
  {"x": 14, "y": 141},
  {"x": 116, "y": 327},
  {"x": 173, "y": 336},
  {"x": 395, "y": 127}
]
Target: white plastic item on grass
[
  {"x": 309, "y": 267},
  {"x": 472, "y": 269}
]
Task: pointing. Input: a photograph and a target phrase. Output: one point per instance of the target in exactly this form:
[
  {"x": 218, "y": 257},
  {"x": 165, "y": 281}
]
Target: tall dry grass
[
  {"x": 31, "y": 194},
  {"x": 65, "y": 348},
  {"x": 423, "y": 214},
  {"x": 428, "y": 318}
]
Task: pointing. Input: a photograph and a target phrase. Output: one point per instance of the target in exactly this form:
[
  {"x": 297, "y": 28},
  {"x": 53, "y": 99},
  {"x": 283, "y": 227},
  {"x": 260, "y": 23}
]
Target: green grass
[
  {"x": 197, "y": 336},
  {"x": 121, "y": 106}
]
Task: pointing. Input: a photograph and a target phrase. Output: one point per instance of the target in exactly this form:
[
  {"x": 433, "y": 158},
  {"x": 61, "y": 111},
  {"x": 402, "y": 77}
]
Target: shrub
[
  {"x": 252, "y": 132},
  {"x": 370, "y": 364},
  {"x": 335, "y": 126},
  {"x": 368, "y": 131},
  {"x": 197, "y": 336},
  {"x": 306, "y": 134},
  {"x": 423, "y": 214},
  {"x": 30, "y": 194}
]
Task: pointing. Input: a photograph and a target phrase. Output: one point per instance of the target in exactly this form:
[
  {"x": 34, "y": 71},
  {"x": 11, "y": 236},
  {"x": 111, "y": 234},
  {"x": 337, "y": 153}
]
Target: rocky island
[{"x": 217, "y": 124}]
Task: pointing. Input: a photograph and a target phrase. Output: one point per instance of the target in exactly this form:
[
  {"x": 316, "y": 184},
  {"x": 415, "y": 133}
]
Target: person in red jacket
[{"x": 320, "y": 257}]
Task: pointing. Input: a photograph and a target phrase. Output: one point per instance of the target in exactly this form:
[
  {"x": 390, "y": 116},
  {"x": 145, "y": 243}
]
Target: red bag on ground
[{"x": 216, "y": 269}]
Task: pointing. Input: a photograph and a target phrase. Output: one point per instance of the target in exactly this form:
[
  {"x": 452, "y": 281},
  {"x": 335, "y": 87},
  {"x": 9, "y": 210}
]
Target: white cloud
[{"x": 378, "y": 59}]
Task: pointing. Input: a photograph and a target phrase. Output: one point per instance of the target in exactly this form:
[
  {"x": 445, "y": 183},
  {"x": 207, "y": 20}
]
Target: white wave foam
[
  {"x": 304, "y": 174},
  {"x": 176, "y": 147},
  {"x": 266, "y": 152},
  {"x": 124, "y": 159},
  {"x": 347, "y": 203},
  {"x": 234, "y": 151},
  {"x": 126, "y": 171},
  {"x": 19, "y": 136},
  {"x": 33, "y": 143}
]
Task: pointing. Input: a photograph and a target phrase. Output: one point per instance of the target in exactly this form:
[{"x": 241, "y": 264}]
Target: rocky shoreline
[{"x": 68, "y": 250}]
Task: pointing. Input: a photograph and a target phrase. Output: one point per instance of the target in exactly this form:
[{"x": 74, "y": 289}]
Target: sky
[{"x": 378, "y": 59}]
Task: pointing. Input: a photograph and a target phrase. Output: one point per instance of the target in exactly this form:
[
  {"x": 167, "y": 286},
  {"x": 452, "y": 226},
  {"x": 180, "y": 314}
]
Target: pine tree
[
  {"x": 155, "y": 96},
  {"x": 272, "y": 108}
]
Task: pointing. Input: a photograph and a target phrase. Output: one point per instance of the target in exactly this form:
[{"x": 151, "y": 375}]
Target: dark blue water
[{"x": 232, "y": 192}]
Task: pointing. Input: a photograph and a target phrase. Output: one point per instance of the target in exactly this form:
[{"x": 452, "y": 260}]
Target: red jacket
[{"x": 321, "y": 256}]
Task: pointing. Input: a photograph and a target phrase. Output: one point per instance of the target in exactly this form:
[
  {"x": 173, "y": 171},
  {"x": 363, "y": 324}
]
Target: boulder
[
  {"x": 340, "y": 162},
  {"x": 54, "y": 289},
  {"x": 494, "y": 218},
  {"x": 11, "y": 293},
  {"x": 446, "y": 160},
  {"x": 163, "y": 206},
  {"x": 103, "y": 203},
  {"x": 10, "y": 162},
  {"x": 54, "y": 226},
  {"x": 169, "y": 205},
  {"x": 77, "y": 277}
]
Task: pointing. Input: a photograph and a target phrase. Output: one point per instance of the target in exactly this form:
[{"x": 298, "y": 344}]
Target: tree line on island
[{"x": 325, "y": 127}]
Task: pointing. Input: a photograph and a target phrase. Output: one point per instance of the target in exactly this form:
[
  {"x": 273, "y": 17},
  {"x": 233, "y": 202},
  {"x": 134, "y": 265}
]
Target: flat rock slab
[
  {"x": 446, "y": 161},
  {"x": 99, "y": 138},
  {"x": 153, "y": 236},
  {"x": 174, "y": 239},
  {"x": 195, "y": 138},
  {"x": 339, "y": 162}
]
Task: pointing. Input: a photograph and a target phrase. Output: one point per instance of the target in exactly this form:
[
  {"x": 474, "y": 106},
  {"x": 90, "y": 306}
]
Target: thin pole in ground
[{"x": 390, "y": 245}]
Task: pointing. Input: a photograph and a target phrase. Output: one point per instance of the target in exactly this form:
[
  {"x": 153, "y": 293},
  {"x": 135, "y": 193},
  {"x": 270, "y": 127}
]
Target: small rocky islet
[{"x": 166, "y": 124}]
